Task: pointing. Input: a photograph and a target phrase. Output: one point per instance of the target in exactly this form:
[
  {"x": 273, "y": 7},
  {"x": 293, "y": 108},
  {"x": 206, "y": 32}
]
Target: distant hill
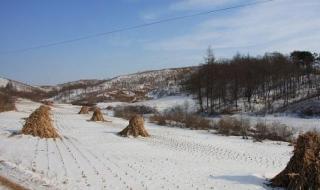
[
  {"x": 127, "y": 88},
  {"x": 18, "y": 86}
]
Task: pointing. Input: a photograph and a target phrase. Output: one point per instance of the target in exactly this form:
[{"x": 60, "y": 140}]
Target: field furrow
[{"x": 90, "y": 155}]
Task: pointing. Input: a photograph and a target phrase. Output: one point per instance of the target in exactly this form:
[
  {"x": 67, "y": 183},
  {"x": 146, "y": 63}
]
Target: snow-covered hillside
[
  {"x": 18, "y": 86},
  {"x": 72, "y": 84},
  {"x": 91, "y": 156},
  {"x": 3, "y": 82},
  {"x": 126, "y": 88}
]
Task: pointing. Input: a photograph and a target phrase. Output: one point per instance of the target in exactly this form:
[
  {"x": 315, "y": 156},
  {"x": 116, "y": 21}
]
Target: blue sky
[{"x": 281, "y": 25}]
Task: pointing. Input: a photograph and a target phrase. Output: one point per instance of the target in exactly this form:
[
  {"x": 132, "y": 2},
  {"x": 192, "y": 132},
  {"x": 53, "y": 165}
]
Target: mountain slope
[
  {"x": 18, "y": 86},
  {"x": 14, "y": 88},
  {"x": 128, "y": 88}
]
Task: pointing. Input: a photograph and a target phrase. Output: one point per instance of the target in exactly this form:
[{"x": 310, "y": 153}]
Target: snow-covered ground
[{"x": 91, "y": 156}]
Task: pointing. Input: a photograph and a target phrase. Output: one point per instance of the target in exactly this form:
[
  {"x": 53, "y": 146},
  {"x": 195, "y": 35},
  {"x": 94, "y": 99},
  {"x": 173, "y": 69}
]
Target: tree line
[{"x": 244, "y": 81}]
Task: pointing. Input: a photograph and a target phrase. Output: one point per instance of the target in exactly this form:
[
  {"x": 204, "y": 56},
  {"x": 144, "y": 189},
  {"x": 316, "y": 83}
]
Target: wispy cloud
[
  {"x": 199, "y": 4},
  {"x": 149, "y": 16},
  {"x": 282, "y": 25}
]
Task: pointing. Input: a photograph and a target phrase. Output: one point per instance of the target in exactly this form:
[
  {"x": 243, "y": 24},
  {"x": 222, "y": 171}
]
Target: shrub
[
  {"x": 158, "y": 119},
  {"x": 196, "y": 122},
  {"x": 109, "y": 107},
  {"x": 224, "y": 126},
  {"x": 7, "y": 103},
  {"x": 128, "y": 112},
  {"x": 233, "y": 126},
  {"x": 261, "y": 131},
  {"x": 275, "y": 131},
  {"x": 179, "y": 117},
  {"x": 88, "y": 104},
  {"x": 311, "y": 111}
]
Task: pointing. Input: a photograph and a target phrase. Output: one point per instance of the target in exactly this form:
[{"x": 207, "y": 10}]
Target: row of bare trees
[{"x": 221, "y": 85}]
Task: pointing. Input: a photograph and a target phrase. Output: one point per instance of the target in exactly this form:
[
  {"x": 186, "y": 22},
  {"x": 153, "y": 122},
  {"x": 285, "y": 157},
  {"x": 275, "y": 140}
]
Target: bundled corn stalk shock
[
  {"x": 39, "y": 124},
  {"x": 8, "y": 184},
  {"x": 303, "y": 169},
  {"x": 135, "y": 128},
  {"x": 97, "y": 115},
  {"x": 84, "y": 110}
]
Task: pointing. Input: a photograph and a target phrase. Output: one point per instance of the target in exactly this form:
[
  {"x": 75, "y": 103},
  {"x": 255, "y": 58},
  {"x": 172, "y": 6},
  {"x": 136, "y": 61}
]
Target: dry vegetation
[
  {"x": 127, "y": 112},
  {"x": 259, "y": 132},
  {"x": 180, "y": 117},
  {"x": 303, "y": 169},
  {"x": 40, "y": 124},
  {"x": 233, "y": 126},
  {"x": 34, "y": 95},
  {"x": 7, "y": 103},
  {"x": 135, "y": 128},
  {"x": 10, "y": 185},
  {"x": 275, "y": 131}
]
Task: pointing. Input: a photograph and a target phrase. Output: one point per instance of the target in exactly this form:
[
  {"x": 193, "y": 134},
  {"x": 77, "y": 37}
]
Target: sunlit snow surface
[{"x": 91, "y": 156}]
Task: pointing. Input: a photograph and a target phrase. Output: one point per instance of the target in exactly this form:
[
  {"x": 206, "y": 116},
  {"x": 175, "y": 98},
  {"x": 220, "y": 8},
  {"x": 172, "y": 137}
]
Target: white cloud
[{"x": 282, "y": 25}]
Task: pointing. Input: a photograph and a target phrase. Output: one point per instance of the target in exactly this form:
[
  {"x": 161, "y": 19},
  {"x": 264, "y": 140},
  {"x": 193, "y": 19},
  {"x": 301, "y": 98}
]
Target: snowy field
[{"x": 91, "y": 156}]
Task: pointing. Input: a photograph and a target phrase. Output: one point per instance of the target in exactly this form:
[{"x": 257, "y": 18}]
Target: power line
[{"x": 133, "y": 27}]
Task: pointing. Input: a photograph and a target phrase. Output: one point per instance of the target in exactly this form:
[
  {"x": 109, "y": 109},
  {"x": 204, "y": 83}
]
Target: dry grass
[
  {"x": 158, "y": 119},
  {"x": 259, "y": 132},
  {"x": 275, "y": 131},
  {"x": 10, "y": 185},
  {"x": 7, "y": 103},
  {"x": 180, "y": 117},
  {"x": 84, "y": 110},
  {"x": 135, "y": 128},
  {"x": 97, "y": 115},
  {"x": 303, "y": 169},
  {"x": 233, "y": 126},
  {"x": 39, "y": 124},
  {"x": 127, "y": 112}
]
